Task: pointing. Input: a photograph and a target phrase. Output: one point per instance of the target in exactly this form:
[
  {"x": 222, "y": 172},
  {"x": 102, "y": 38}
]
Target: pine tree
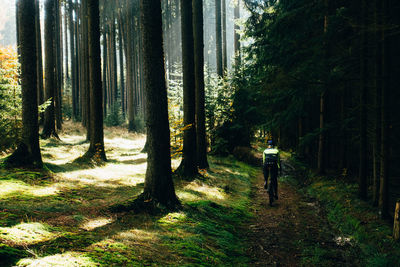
[
  {"x": 199, "y": 83},
  {"x": 28, "y": 151},
  {"x": 188, "y": 166}
]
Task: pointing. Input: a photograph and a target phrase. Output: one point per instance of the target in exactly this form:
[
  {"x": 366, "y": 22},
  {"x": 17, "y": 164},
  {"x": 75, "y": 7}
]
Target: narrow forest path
[{"x": 293, "y": 232}]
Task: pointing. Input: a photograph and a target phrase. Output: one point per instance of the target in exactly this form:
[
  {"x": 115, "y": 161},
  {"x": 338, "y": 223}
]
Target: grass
[
  {"x": 60, "y": 216},
  {"x": 367, "y": 239}
]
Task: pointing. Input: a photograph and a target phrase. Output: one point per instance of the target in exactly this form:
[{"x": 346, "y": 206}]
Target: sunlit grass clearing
[
  {"x": 135, "y": 236},
  {"x": 211, "y": 193},
  {"x": 59, "y": 260},
  {"x": 110, "y": 175},
  {"x": 26, "y": 234},
  {"x": 15, "y": 187},
  {"x": 96, "y": 223}
]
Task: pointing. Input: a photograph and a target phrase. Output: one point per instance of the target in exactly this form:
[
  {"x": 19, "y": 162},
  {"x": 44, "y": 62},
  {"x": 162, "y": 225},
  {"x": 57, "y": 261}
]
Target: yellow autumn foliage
[{"x": 9, "y": 65}]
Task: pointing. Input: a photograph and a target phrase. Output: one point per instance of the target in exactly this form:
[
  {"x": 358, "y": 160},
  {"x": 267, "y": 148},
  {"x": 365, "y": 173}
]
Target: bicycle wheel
[{"x": 271, "y": 199}]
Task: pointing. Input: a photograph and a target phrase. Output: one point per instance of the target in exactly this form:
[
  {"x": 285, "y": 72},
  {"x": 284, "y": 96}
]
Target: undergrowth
[{"x": 368, "y": 239}]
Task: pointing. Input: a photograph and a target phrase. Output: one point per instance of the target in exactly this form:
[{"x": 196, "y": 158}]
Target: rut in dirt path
[{"x": 278, "y": 235}]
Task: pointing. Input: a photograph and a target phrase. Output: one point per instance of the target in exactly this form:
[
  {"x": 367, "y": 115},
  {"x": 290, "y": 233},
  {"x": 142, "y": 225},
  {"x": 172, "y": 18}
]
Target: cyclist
[{"x": 271, "y": 165}]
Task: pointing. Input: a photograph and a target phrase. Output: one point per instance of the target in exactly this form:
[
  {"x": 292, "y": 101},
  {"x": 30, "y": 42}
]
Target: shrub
[{"x": 10, "y": 99}]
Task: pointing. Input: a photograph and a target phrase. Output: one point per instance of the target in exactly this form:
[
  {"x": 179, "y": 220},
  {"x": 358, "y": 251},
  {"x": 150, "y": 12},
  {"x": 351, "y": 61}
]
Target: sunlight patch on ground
[
  {"x": 59, "y": 260},
  {"x": 26, "y": 234},
  {"x": 8, "y": 188},
  {"x": 96, "y": 223},
  {"x": 187, "y": 196},
  {"x": 126, "y": 165},
  {"x": 125, "y": 143},
  {"x": 136, "y": 236},
  {"x": 226, "y": 170},
  {"x": 45, "y": 191},
  {"x": 172, "y": 218},
  {"x": 14, "y": 187},
  {"x": 64, "y": 151},
  {"x": 110, "y": 175},
  {"x": 212, "y": 193}
]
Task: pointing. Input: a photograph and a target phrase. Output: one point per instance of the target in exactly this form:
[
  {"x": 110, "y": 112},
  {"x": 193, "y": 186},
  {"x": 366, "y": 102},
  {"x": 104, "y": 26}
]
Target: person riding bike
[{"x": 271, "y": 166}]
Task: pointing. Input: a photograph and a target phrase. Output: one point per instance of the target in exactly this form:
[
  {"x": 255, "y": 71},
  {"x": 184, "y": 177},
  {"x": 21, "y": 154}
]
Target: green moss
[
  {"x": 358, "y": 221},
  {"x": 208, "y": 230},
  {"x": 9, "y": 256}
]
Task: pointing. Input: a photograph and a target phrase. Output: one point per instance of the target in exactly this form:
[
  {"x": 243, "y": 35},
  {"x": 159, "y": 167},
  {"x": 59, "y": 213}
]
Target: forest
[{"x": 134, "y": 132}]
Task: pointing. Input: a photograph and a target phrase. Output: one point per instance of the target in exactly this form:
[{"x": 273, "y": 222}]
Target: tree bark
[
  {"x": 224, "y": 44},
  {"x": 321, "y": 142},
  {"x": 59, "y": 66},
  {"x": 158, "y": 186},
  {"x": 39, "y": 56},
  {"x": 73, "y": 61},
  {"x": 321, "y": 163},
  {"x": 236, "y": 36},
  {"x": 199, "y": 83},
  {"x": 66, "y": 21},
  {"x": 362, "y": 176},
  {"x": 49, "y": 127},
  {"x": 188, "y": 166},
  {"x": 384, "y": 163},
  {"x": 218, "y": 38},
  {"x": 378, "y": 93},
  {"x": 121, "y": 64},
  {"x": 396, "y": 224},
  {"x": 96, "y": 148},
  {"x": 28, "y": 151}
]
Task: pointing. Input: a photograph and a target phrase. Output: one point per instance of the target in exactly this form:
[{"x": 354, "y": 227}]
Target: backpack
[{"x": 271, "y": 160}]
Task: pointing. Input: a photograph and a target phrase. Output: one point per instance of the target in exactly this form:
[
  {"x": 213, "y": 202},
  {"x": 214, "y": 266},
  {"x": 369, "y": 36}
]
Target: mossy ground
[
  {"x": 356, "y": 224},
  {"x": 60, "y": 216}
]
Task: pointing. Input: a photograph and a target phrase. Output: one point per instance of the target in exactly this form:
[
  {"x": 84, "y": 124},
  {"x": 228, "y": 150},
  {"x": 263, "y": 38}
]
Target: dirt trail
[{"x": 277, "y": 234}]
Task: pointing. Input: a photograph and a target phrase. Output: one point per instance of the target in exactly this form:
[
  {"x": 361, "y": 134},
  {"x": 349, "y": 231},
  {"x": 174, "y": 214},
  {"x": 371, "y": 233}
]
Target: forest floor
[
  {"x": 61, "y": 216},
  {"x": 293, "y": 232}
]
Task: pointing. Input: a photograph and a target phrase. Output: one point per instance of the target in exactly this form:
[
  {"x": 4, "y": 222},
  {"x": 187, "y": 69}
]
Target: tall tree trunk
[
  {"x": 105, "y": 63},
  {"x": 362, "y": 176},
  {"x": 321, "y": 163},
  {"x": 17, "y": 22},
  {"x": 378, "y": 94},
  {"x": 113, "y": 64},
  {"x": 158, "y": 186},
  {"x": 66, "y": 21},
  {"x": 59, "y": 67},
  {"x": 236, "y": 36},
  {"x": 73, "y": 61},
  {"x": 385, "y": 120},
  {"x": 96, "y": 148},
  {"x": 39, "y": 56},
  {"x": 121, "y": 64},
  {"x": 28, "y": 151},
  {"x": 188, "y": 166},
  {"x": 199, "y": 83},
  {"x": 131, "y": 75},
  {"x": 49, "y": 127},
  {"x": 321, "y": 142},
  {"x": 77, "y": 61},
  {"x": 218, "y": 38},
  {"x": 84, "y": 69},
  {"x": 224, "y": 44}
]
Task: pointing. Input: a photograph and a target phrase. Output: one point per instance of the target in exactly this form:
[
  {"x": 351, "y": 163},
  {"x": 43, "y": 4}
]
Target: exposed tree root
[
  {"x": 47, "y": 135},
  {"x": 22, "y": 158},
  {"x": 144, "y": 204}
]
